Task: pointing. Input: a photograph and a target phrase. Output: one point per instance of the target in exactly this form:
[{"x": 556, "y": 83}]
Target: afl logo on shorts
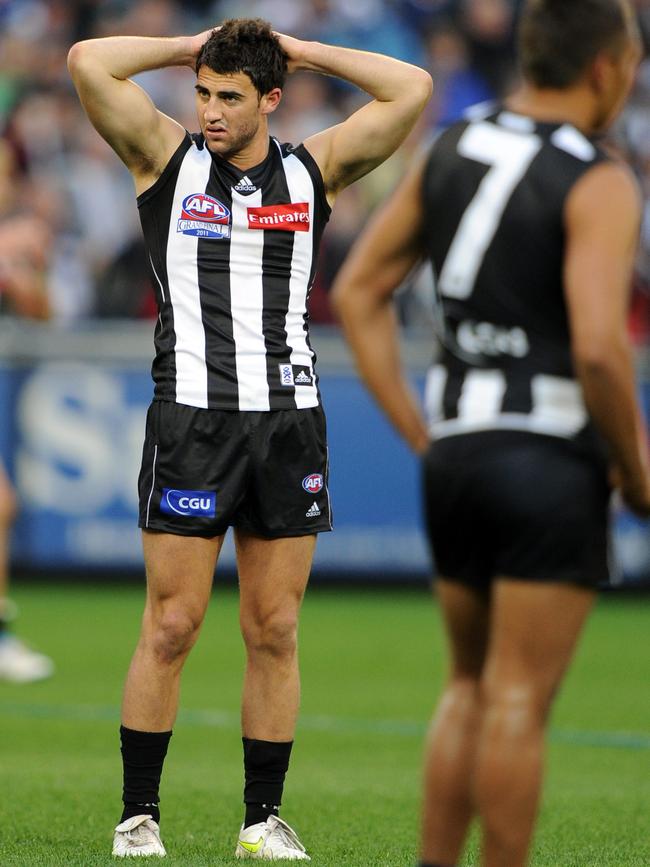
[
  {"x": 204, "y": 217},
  {"x": 188, "y": 504},
  {"x": 313, "y": 483}
]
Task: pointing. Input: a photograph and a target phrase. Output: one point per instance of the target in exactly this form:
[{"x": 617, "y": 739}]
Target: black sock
[
  {"x": 265, "y": 766},
  {"x": 143, "y": 754},
  {"x": 429, "y": 864}
]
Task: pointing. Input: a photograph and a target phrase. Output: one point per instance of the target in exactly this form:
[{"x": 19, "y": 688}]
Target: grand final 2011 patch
[{"x": 204, "y": 217}]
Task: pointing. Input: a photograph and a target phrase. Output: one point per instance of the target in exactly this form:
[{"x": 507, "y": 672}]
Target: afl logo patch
[
  {"x": 313, "y": 483},
  {"x": 204, "y": 217}
]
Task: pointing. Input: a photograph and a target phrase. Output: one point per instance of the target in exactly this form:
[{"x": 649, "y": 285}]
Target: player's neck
[{"x": 548, "y": 105}]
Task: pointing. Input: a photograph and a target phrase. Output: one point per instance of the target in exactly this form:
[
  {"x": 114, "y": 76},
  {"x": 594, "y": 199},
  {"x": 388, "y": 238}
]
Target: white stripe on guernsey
[
  {"x": 558, "y": 406},
  {"x": 481, "y": 396},
  {"x": 183, "y": 283},
  {"x": 559, "y": 402},
  {"x": 247, "y": 304},
  {"x": 434, "y": 392},
  {"x": 301, "y": 189}
]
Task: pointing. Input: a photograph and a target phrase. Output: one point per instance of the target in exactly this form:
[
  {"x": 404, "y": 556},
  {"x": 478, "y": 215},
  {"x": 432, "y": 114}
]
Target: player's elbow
[
  {"x": 595, "y": 356},
  {"x": 422, "y": 86},
  {"x": 339, "y": 297},
  {"x": 345, "y": 297},
  {"x": 79, "y": 58}
]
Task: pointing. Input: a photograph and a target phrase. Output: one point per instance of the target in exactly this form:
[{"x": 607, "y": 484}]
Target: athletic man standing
[
  {"x": 531, "y": 230},
  {"x": 235, "y": 435}
]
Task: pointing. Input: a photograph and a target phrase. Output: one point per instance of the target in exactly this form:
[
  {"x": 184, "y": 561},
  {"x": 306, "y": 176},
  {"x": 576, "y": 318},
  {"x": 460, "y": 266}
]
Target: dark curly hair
[
  {"x": 246, "y": 45},
  {"x": 559, "y": 38}
]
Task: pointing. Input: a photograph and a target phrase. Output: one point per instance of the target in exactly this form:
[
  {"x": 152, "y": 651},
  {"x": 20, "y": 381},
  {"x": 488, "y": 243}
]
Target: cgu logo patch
[
  {"x": 188, "y": 503},
  {"x": 293, "y": 217},
  {"x": 204, "y": 217},
  {"x": 313, "y": 483}
]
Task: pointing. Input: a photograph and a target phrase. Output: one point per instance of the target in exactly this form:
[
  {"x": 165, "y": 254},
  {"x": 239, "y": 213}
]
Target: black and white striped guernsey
[
  {"x": 494, "y": 192},
  {"x": 233, "y": 256}
]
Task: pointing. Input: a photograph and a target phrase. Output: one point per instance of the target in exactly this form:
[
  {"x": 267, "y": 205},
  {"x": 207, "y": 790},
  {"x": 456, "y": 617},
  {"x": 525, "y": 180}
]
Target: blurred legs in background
[
  {"x": 509, "y": 652},
  {"x": 18, "y": 663}
]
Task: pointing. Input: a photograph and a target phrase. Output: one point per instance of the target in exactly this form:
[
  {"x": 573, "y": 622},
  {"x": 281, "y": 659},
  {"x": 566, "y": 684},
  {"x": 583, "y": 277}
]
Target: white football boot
[
  {"x": 272, "y": 840},
  {"x": 138, "y": 837},
  {"x": 21, "y": 664}
]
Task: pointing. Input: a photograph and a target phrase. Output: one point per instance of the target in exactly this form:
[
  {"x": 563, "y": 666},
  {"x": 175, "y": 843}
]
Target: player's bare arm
[
  {"x": 363, "y": 297},
  {"x": 121, "y": 111},
  {"x": 353, "y": 148},
  {"x": 602, "y": 217}
]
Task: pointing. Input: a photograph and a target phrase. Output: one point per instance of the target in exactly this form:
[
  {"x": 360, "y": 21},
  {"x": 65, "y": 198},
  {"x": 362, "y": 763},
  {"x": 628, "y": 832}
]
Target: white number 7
[{"x": 509, "y": 154}]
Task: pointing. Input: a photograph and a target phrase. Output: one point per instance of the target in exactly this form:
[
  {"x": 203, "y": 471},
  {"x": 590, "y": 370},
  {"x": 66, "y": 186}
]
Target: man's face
[{"x": 229, "y": 110}]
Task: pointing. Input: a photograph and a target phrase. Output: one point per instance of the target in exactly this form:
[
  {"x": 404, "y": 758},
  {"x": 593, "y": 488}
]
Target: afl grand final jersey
[
  {"x": 494, "y": 191},
  {"x": 233, "y": 258}
]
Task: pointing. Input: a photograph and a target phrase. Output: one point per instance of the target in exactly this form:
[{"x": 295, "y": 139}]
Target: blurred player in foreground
[
  {"x": 24, "y": 244},
  {"x": 531, "y": 230},
  {"x": 236, "y": 434}
]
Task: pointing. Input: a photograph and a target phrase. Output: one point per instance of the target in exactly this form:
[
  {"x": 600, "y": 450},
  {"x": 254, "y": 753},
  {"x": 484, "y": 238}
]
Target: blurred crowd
[{"x": 68, "y": 221}]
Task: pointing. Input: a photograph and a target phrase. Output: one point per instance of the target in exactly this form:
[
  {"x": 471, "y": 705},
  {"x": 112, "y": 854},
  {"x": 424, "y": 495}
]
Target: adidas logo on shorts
[{"x": 313, "y": 511}]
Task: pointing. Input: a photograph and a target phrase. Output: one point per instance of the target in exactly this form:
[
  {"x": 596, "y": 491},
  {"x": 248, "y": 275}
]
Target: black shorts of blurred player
[
  {"x": 517, "y": 504},
  {"x": 518, "y": 525},
  {"x": 204, "y": 470}
]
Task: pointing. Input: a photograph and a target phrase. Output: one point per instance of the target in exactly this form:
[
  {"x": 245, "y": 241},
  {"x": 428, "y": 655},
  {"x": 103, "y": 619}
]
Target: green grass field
[{"x": 372, "y": 664}]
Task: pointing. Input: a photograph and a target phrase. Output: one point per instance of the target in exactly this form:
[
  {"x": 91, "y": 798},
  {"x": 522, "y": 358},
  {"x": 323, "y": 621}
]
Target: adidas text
[
  {"x": 313, "y": 511},
  {"x": 245, "y": 185}
]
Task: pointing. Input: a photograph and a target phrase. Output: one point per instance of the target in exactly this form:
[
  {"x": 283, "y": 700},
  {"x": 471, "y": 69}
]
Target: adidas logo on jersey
[
  {"x": 295, "y": 374},
  {"x": 245, "y": 185},
  {"x": 313, "y": 511}
]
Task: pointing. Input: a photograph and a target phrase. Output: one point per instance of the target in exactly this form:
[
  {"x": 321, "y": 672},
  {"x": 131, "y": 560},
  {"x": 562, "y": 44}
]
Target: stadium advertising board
[{"x": 72, "y": 439}]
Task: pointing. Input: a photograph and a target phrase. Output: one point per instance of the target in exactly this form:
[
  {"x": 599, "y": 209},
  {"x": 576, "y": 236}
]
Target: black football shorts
[
  {"x": 205, "y": 470},
  {"x": 518, "y": 505}
]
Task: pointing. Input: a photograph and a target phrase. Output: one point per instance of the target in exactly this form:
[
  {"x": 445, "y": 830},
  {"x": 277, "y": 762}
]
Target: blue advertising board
[{"x": 71, "y": 437}]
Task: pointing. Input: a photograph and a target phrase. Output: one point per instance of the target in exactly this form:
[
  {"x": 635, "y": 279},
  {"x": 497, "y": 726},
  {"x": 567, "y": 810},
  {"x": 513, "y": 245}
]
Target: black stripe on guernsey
[
  {"x": 322, "y": 211},
  {"x": 276, "y": 276},
  {"x": 213, "y": 261},
  {"x": 154, "y": 206},
  {"x": 452, "y": 393},
  {"x": 518, "y": 396}
]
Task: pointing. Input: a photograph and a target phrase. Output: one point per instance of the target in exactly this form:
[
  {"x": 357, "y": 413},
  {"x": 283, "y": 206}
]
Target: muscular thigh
[
  {"x": 533, "y": 632},
  {"x": 180, "y": 570}
]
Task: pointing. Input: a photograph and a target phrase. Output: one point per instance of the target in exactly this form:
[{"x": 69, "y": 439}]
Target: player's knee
[
  {"x": 273, "y": 636},
  {"x": 463, "y": 693},
  {"x": 174, "y": 632},
  {"x": 513, "y": 705}
]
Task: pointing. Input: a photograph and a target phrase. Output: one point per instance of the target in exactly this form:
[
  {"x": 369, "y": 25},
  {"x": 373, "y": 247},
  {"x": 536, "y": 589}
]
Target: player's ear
[
  {"x": 271, "y": 100},
  {"x": 600, "y": 72}
]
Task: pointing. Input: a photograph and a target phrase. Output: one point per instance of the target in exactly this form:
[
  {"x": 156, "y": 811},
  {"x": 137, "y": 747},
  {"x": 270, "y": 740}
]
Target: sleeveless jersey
[
  {"x": 233, "y": 258},
  {"x": 494, "y": 191}
]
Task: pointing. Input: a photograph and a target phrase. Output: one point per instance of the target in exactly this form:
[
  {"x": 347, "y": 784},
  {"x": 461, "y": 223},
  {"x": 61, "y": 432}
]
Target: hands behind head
[
  {"x": 197, "y": 42},
  {"x": 293, "y": 48}
]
